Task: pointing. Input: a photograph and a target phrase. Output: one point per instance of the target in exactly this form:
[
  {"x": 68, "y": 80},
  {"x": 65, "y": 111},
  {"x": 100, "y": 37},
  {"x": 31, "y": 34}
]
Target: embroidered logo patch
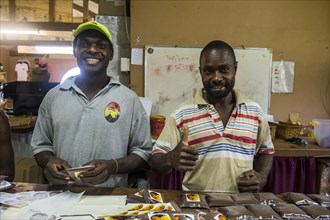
[{"x": 112, "y": 112}]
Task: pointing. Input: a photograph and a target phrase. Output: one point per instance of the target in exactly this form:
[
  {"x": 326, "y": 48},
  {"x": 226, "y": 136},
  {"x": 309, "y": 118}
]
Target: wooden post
[
  {"x": 51, "y": 11},
  {"x": 12, "y": 10},
  {"x": 85, "y": 10}
]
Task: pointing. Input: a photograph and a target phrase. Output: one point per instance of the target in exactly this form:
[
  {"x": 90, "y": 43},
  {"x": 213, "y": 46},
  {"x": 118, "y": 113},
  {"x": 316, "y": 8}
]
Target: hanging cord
[{"x": 126, "y": 25}]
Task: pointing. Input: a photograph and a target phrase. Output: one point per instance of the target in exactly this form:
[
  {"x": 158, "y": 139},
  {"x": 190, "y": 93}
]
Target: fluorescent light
[
  {"x": 45, "y": 49},
  {"x": 19, "y": 32}
]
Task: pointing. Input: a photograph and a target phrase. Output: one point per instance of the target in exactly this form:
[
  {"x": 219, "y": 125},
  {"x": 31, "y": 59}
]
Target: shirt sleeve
[
  {"x": 264, "y": 140},
  {"x": 169, "y": 138},
  {"x": 140, "y": 138},
  {"x": 42, "y": 138}
]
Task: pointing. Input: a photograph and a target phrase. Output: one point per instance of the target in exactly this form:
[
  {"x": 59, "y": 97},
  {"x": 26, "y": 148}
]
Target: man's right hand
[
  {"x": 55, "y": 172},
  {"x": 183, "y": 157}
]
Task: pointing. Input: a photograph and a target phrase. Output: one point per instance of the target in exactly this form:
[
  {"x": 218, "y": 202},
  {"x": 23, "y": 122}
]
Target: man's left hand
[{"x": 250, "y": 181}]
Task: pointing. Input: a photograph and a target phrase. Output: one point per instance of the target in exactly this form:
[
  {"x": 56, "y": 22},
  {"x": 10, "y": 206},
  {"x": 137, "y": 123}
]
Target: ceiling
[
  {"x": 53, "y": 20},
  {"x": 78, "y": 8}
]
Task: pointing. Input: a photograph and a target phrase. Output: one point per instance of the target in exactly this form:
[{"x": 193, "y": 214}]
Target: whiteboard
[{"x": 172, "y": 75}]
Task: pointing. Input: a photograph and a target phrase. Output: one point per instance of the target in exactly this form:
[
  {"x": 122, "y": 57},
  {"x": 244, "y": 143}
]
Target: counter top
[{"x": 287, "y": 149}]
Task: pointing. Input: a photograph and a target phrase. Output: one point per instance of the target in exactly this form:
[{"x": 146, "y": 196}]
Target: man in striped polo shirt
[{"x": 221, "y": 139}]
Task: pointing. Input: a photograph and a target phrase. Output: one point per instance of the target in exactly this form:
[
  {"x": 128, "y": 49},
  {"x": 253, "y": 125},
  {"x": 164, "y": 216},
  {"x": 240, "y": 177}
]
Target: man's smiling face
[{"x": 93, "y": 51}]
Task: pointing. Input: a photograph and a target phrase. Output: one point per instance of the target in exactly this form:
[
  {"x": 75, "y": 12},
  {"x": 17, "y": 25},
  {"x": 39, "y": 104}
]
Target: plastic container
[
  {"x": 157, "y": 123},
  {"x": 322, "y": 132}
]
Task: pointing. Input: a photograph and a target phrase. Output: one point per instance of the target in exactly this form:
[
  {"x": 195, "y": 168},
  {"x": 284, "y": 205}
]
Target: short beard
[{"x": 215, "y": 96}]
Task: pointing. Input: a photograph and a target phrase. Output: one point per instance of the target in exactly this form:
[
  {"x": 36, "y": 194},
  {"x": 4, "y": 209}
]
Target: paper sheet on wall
[
  {"x": 136, "y": 58},
  {"x": 282, "y": 77}
]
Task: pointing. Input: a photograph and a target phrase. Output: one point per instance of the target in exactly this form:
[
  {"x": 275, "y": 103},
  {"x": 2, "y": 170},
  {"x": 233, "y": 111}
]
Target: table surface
[
  {"x": 24, "y": 187},
  {"x": 287, "y": 149},
  {"x": 168, "y": 195}
]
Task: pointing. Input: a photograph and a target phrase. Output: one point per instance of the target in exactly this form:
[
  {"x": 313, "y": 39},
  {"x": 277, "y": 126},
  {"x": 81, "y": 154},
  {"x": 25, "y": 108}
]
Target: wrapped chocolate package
[
  {"x": 316, "y": 211},
  {"x": 183, "y": 216},
  {"x": 219, "y": 199},
  {"x": 262, "y": 211},
  {"x": 290, "y": 211},
  {"x": 268, "y": 198},
  {"x": 193, "y": 200},
  {"x": 298, "y": 198},
  {"x": 322, "y": 199},
  {"x": 172, "y": 216},
  {"x": 201, "y": 215},
  {"x": 4, "y": 184},
  {"x": 137, "y": 197},
  {"x": 236, "y": 212},
  {"x": 145, "y": 196},
  {"x": 244, "y": 198},
  {"x": 211, "y": 215},
  {"x": 153, "y": 196},
  {"x": 142, "y": 217},
  {"x": 75, "y": 173},
  {"x": 157, "y": 207}
]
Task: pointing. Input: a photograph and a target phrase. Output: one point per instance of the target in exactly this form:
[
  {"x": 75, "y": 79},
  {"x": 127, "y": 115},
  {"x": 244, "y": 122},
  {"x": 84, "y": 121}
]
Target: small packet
[
  {"x": 200, "y": 214},
  {"x": 236, "y": 212},
  {"x": 136, "y": 197},
  {"x": 211, "y": 215},
  {"x": 4, "y": 184},
  {"x": 268, "y": 198},
  {"x": 244, "y": 198},
  {"x": 219, "y": 199},
  {"x": 193, "y": 200},
  {"x": 172, "y": 206},
  {"x": 262, "y": 211},
  {"x": 290, "y": 211},
  {"x": 156, "y": 207},
  {"x": 153, "y": 196},
  {"x": 323, "y": 200},
  {"x": 75, "y": 172},
  {"x": 183, "y": 216},
  {"x": 122, "y": 218},
  {"x": 298, "y": 198},
  {"x": 159, "y": 216},
  {"x": 316, "y": 211}
]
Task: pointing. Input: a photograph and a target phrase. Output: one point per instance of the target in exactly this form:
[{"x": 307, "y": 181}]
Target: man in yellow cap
[{"x": 91, "y": 119}]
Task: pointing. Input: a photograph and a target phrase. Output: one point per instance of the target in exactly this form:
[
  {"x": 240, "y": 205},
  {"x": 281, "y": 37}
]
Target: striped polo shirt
[{"x": 224, "y": 152}]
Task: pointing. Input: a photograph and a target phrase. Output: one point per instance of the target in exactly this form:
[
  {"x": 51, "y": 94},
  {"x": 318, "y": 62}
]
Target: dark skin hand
[
  {"x": 101, "y": 173},
  {"x": 254, "y": 180},
  {"x": 54, "y": 169},
  {"x": 105, "y": 168},
  {"x": 181, "y": 158}
]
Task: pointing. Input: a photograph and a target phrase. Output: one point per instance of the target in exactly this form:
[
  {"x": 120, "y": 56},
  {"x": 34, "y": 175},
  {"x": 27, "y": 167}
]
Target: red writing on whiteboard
[
  {"x": 176, "y": 58},
  {"x": 180, "y": 67}
]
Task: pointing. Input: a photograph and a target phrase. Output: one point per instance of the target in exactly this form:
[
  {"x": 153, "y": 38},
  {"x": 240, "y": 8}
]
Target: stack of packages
[{"x": 148, "y": 204}]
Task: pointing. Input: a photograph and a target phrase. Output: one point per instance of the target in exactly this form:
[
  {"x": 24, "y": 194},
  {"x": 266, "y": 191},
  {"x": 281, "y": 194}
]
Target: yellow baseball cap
[{"x": 93, "y": 25}]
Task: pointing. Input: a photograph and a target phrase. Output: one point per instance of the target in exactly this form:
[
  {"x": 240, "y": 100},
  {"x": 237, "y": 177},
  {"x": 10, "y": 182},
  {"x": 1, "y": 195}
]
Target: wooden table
[
  {"x": 170, "y": 195},
  {"x": 287, "y": 149}
]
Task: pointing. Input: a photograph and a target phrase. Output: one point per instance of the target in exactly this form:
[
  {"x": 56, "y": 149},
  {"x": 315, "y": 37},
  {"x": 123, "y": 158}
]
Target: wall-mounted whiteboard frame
[{"x": 172, "y": 75}]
